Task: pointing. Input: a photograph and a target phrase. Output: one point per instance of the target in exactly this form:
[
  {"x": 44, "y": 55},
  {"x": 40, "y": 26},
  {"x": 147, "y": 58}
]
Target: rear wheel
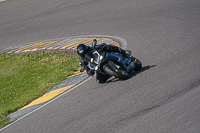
[{"x": 110, "y": 71}]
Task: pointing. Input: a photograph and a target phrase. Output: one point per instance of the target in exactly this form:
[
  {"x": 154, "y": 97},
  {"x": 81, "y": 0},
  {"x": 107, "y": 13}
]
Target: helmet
[{"x": 81, "y": 49}]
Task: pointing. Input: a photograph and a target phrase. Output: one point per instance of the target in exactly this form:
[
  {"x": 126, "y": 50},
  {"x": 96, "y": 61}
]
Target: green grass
[{"x": 26, "y": 77}]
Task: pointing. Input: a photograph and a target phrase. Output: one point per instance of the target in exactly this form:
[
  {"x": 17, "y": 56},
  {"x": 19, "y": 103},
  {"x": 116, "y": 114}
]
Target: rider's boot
[{"x": 113, "y": 48}]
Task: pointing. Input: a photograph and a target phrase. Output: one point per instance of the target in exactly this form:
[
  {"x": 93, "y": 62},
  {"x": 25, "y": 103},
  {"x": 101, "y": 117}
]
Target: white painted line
[
  {"x": 46, "y": 103},
  {"x": 34, "y": 49},
  {"x": 50, "y": 48}
]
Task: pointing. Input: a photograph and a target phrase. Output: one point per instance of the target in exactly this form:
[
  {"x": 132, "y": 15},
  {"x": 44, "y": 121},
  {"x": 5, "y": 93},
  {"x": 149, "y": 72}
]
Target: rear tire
[{"x": 111, "y": 72}]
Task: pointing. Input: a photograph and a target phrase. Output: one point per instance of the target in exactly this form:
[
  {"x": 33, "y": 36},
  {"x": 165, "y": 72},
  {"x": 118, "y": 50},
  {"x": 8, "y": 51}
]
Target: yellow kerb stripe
[
  {"x": 116, "y": 44},
  {"x": 37, "y": 45},
  {"x": 77, "y": 73},
  {"x": 46, "y": 97},
  {"x": 89, "y": 41},
  {"x": 75, "y": 44}
]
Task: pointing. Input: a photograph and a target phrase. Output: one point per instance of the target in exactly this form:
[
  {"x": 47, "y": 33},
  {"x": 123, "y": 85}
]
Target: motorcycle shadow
[{"x": 132, "y": 74}]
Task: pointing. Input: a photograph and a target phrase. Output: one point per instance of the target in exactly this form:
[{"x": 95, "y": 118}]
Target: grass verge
[{"x": 26, "y": 77}]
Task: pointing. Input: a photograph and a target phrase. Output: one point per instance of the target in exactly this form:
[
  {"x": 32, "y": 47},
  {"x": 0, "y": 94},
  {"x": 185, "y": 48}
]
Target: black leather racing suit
[{"x": 100, "y": 77}]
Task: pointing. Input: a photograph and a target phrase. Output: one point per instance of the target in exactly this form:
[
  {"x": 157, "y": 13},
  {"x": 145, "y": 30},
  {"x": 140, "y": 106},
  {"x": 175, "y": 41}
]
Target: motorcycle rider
[{"x": 82, "y": 49}]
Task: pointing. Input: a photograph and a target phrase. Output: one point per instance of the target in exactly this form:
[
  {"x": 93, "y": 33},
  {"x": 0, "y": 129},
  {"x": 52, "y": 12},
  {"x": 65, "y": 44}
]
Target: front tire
[
  {"x": 109, "y": 71},
  {"x": 138, "y": 64}
]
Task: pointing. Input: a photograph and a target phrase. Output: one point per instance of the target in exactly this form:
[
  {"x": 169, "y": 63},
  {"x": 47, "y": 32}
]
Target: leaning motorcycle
[{"x": 112, "y": 64}]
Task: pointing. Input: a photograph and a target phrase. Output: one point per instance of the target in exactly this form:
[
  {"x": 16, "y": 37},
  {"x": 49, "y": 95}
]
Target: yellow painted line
[
  {"x": 78, "y": 42},
  {"x": 89, "y": 41},
  {"x": 48, "y": 96},
  {"x": 75, "y": 44},
  {"x": 37, "y": 45},
  {"x": 77, "y": 73},
  {"x": 116, "y": 44},
  {"x": 45, "y": 44},
  {"x": 42, "y": 44},
  {"x": 27, "y": 47}
]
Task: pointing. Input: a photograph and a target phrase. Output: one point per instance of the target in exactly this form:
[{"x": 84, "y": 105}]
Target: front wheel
[
  {"x": 109, "y": 71},
  {"x": 138, "y": 64}
]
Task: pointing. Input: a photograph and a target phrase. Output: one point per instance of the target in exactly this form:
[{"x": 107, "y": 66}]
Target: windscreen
[
  {"x": 96, "y": 57},
  {"x": 89, "y": 55}
]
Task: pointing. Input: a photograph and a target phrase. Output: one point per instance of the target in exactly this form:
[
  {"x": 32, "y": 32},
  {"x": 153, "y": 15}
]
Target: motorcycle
[{"x": 111, "y": 63}]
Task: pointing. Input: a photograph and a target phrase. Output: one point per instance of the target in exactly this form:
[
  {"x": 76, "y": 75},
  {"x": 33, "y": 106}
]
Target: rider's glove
[{"x": 128, "y": 52}]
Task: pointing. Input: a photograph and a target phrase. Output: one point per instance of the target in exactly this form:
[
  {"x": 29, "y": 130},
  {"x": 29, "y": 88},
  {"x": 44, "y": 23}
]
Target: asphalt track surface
[{"x": 164, "y": 34}]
